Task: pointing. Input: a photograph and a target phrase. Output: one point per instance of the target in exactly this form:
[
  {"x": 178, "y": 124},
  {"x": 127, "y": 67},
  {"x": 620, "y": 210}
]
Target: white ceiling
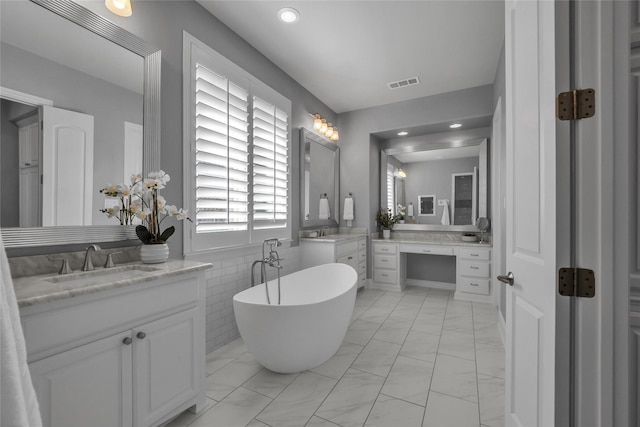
[{"x": 345, "y": 52}]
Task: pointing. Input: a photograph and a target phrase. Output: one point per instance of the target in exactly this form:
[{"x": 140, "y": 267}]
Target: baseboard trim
[{"x": 432, "y": 284}]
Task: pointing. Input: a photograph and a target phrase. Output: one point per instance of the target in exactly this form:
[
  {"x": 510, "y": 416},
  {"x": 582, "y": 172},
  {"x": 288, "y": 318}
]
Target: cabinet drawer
[
  {"x": 384, "y": 276},
  {"x": 362, "y": 244},
  {"x": 426, "y": 249},
  {"x": 362, "y": 256},
  {"x": 475, "y": 253},
  {"x": 477, "y": 269},
  {"x": 55, "y": 331},
  {"x": 346, "y": 247},
  {"x": 473, "y": 285},
  {"x": 385, "y": 248},
  {"x": 385, "y": 261},
  {"x": 362, "y": 270}
]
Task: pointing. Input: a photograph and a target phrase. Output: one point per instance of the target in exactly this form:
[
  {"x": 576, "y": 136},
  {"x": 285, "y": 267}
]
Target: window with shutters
[
  {"x": 237, "y": 167},
  {"x": 391, "y": 188}
]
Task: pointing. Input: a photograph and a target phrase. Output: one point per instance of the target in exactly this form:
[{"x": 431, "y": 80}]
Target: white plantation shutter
[
  {"x": 390, "y": 188},
  {"x": 222, "y": 153},
  {"x": 270, "y": 165},
  {"x": 236, "y": 163}
]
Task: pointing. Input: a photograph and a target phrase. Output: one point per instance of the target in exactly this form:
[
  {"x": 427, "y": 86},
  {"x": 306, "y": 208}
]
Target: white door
[
  {"x": 67, "y": 167},
  {"x": 532, "y": 213},
  {"x": 89, "y": 385}
]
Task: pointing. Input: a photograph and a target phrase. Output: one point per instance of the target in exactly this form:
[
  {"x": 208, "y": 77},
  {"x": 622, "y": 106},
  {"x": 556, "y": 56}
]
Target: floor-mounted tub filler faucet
[
  {"x": 88, "y": 262},
  {"x": 273, "y": 260}
]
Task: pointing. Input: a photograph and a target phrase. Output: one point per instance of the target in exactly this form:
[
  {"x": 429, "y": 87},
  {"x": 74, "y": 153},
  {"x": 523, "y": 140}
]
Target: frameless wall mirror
[
  {"x": 80, "y": 110},
  {"x": 320, "y": 180},
  {"x": 432, "y": 170}
]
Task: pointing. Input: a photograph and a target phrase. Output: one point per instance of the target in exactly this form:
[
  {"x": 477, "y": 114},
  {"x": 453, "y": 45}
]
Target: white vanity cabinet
[
  {"x": 350, "y": 251},
  {"x": 473, "y": 275},
  {"x": 131, "y": 356},
  {"x": 387, "y": 268}
]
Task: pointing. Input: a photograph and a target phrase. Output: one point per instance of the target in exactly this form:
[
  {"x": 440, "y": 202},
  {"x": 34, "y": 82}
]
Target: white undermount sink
[{"x": 104, "y": 275}]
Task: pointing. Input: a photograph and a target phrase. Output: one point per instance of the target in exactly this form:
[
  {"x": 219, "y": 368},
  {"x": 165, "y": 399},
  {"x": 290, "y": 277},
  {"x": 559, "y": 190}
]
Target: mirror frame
[
  {"x": 482, "y": 177},
  {"x": 64, "y": 235},
  {"x": 308, "y": 137}
]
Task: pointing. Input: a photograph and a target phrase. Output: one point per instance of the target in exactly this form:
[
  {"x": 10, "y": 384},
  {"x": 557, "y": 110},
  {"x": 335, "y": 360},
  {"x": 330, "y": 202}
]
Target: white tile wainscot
[
  {"x": 473, "y": 266},
  {"x": 350, "y": 249},
  {"x": 127, "y": 352}
]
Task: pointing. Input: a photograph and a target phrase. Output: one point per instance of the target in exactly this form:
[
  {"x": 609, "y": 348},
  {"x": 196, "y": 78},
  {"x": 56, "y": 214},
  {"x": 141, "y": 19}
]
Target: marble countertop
[
  {"x": 333, "y": 238},
  {"x": 44, "y": 288},
  {"x": 395, "y": 239}
]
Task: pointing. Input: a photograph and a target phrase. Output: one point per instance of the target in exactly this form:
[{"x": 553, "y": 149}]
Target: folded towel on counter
[
  {"x": 324, "y": 211},
  {"x": 445, "y": 214},
  {"x": 19, "y": 401},
  {"x": 348, "y": 209}
]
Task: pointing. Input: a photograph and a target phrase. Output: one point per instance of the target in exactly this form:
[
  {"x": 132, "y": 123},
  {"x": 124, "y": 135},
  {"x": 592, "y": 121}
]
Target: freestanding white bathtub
[{"x": 308, "y": 326}]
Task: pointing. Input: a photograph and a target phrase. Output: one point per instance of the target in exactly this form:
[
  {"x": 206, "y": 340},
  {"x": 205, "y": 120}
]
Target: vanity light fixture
[
  {"x": 402, "y": 173},
  {"x": 327, "y": 129},
  {"x": 455, "y": 125},
  {"x": 119, "y": 7},
  {"x": 403, "y": 133},
  {"x": 288, "y": 15}
]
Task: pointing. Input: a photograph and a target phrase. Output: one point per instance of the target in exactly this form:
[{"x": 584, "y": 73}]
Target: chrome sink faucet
[
  {"x": 323, "y": 232},
  {"x": 88, "y": 262}
]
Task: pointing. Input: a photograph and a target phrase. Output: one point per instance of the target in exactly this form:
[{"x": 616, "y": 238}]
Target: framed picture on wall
[{"x": 427, "y": 205}]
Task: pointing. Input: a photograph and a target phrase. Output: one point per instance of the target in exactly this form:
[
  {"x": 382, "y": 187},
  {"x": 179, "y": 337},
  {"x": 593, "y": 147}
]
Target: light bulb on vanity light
[
  {"x": 119, "y": 7},
  {"x": 335, "y": 135},
  {"x": 324, "y": 126},
  {"x": 329, "y": 131},
  {"x": 317, "y": 122}
]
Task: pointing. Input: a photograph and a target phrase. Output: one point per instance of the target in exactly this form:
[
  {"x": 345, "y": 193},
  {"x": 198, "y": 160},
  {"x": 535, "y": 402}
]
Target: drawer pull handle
[
  {"x": 141, "y": 335},
  {"x": 350, "y": 257},
  {"x": 127, "y": 341},
  {"x": 474, "y": 254},
  {"x": 426, "y": 251},
  {"x": 474, "y": 284},
  {"x": 384, "y": 275},
  {"x": 473, "y": 267}
]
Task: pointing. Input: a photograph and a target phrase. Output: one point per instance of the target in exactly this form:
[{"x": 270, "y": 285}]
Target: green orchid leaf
[
  {"x": 167, "y": 233},
  {"x": 143, "y": 234}
]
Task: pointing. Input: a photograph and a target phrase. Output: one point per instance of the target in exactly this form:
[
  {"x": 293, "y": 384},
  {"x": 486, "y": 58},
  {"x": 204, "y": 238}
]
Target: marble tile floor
[{"x": 415, "y": 358}]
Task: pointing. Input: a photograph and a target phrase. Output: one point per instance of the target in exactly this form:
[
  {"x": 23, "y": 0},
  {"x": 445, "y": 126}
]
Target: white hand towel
[
  {"x": 19, "y": 404},
  {"x": 348, "y": 209},
  {"x": 410, "y": 209},
  {"x": 324, "y": 212},
  {"x": 445, "y": 213}
]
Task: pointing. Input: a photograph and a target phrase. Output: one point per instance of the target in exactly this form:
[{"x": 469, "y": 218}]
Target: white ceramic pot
[
  {"x": 386, "y": 234},
  {"x": 154, "y": 254}
]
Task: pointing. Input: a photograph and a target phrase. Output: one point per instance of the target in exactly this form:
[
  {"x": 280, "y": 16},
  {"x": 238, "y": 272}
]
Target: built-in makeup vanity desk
[
  {"x": 116, "y": 346},
  {"x": 472, "y": 260},
  {"x": 350, "y": 249}
]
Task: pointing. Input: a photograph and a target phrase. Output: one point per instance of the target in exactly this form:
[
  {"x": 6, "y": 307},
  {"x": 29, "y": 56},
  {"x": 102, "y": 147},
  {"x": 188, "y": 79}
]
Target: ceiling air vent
[{"x": 404, "y": 83}]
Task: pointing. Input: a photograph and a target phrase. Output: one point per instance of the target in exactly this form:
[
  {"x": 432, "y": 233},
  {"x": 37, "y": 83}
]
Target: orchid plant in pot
[
  {"x": 386, "y": 220},
  {"x": 139, "y": 203}
]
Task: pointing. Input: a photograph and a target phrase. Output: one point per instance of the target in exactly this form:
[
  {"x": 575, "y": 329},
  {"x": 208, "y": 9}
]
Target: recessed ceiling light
[
  {"x": 455, "y": 125},
  {"x": 288, "y": 15},
  {"x": 403, "y": 133}
]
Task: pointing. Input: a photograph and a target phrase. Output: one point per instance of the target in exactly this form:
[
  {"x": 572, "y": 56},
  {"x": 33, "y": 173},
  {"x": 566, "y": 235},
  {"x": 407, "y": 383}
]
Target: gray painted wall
[
  {"x": 9, "y": 158},
  {"x": 162, "y": 23},
  {"x": 111, "y": 106},
  {"x": 362, "y": 177}
]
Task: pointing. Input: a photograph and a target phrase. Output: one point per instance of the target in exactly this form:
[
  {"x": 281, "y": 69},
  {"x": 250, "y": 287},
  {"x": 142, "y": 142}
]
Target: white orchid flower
[{"x": 181, "y": 214}]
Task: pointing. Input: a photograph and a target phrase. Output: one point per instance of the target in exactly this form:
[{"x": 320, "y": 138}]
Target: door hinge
[
  {"x": 577, "y": 104},
  {"x": 577, "y": 282}
]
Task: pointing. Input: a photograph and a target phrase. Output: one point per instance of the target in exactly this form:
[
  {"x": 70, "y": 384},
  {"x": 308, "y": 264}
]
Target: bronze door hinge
[
  {"x": 577, "y": 282},
  {"x": 577, "y": 104}
]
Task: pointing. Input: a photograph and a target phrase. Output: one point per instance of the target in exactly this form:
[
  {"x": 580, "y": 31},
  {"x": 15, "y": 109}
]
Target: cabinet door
[
  {"x": 87, "y": 386},
  {"x": 166, "y": 360}
]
